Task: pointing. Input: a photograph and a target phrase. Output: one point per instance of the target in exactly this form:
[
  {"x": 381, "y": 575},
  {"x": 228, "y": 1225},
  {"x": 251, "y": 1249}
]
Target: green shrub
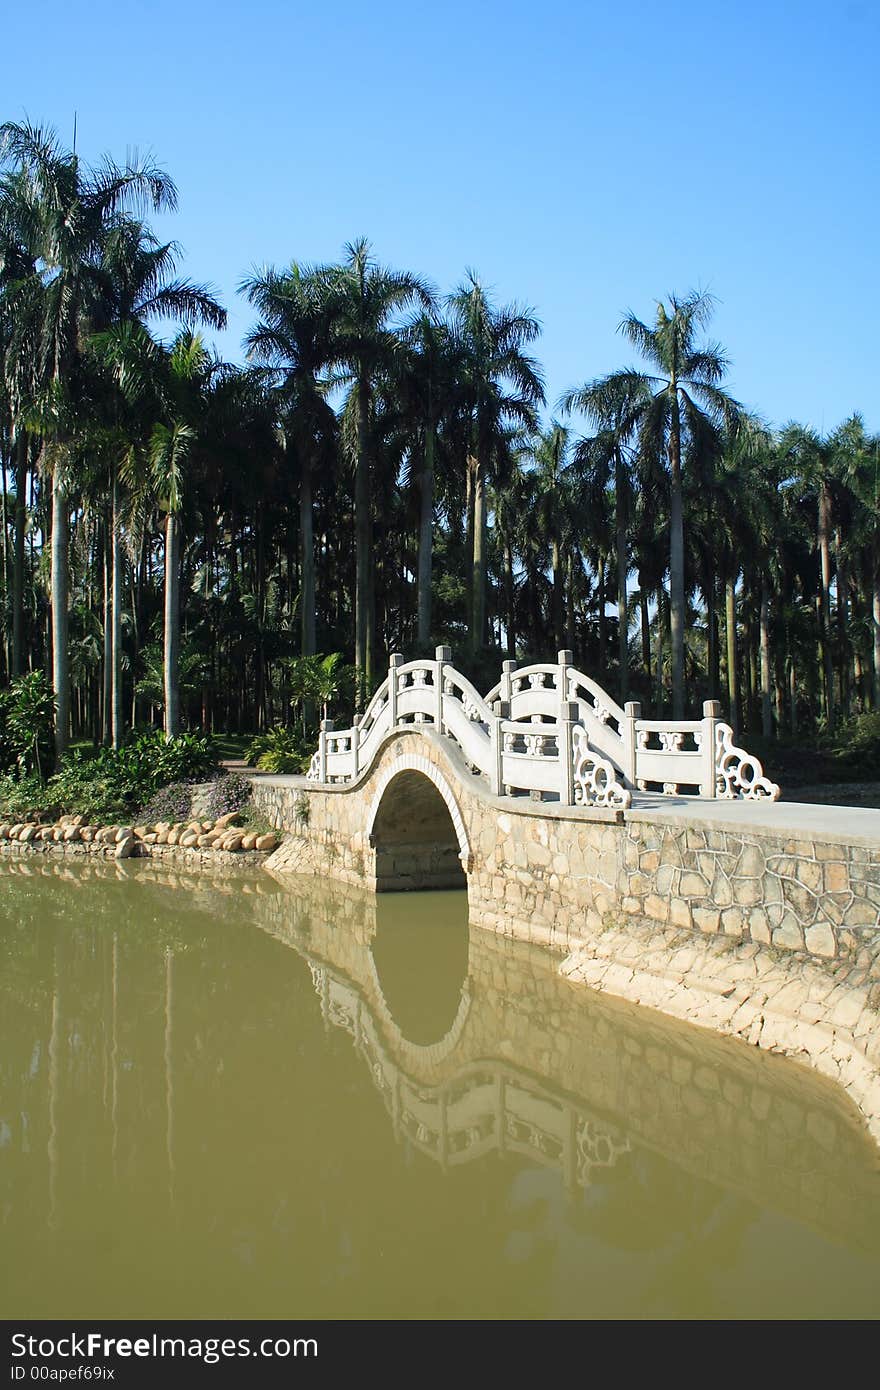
[
  {"x": 118, "y": 782},
  {"x": 280, "y": 750},
  {"x": 18, "y": 795},
  {"x": 27, "y": 717},
  {"x": 857, "y": 745}
]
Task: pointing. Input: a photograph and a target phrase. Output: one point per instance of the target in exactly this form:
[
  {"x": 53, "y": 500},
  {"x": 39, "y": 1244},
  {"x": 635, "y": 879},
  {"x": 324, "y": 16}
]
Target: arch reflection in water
[
  {"x": 535, "y": 1065},
  {"x": 420, "y": 952}
]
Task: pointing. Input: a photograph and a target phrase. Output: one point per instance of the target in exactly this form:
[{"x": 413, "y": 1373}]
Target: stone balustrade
[{"x": 521, "y": 736}]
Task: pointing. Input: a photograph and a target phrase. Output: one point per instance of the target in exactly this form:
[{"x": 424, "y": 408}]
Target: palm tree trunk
[
  {"x": 602, "y": 616},
  {"x": 676, "y": 560},
  {"x": 570, "y": 623},
  {"x": 621, "y": 559},
  {"x": 875, "y": 622},
  {"x": 20, "y": 523},
  {"x": 308, "y": 645},
  {"x": 711, "y": 635},
  {"x": 478, "y": 619},
  {"x": 557, "y": 598},
  {"x": 60, "y": 615},
  {"x": 107, "y": 690},
  {"x": 509, "y": 599},
  {"x": 470, "y": 469},
  {"x": 659, "y": 662},
  {"x": 116, "y": 618},
  {"x": 426, "y": 540},
  {"x": 645, "y": 626},
  {"x": 842, "y": 572},
  {"x": 362, "y": 529},
  {"x": 825, "y": 598},
  {"x": 766, "y": 715},
  {"x": 172, "y": 626},
  {"x": 732, "y": 674}
]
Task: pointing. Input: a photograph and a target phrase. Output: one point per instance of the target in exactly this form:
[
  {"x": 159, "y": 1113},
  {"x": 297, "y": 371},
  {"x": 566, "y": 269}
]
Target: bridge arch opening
[{"x": 416, "y": 830}]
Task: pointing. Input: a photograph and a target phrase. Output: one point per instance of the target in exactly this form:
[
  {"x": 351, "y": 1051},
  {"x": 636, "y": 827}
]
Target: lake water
[{"x": 240, "y": 1098}]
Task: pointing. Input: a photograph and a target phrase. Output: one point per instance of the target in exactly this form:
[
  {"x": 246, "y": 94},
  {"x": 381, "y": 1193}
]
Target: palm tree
[
  {"x": 673, "y": 409},
  {"x": 552, "y": 512},
  {"x": 67, "y": 213},
  {"x": 139, "y": 284},
  {"x": 502, "y": 386},
  {"x": 292, "y": 339},
  {"x": 427, "y": 389},
  {"x": 363, "y": 298},
  {"x": 607, "y": 457}
]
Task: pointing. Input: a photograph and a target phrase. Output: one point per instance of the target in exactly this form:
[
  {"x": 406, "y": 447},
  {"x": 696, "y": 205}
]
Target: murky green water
[{"x": 307, "y": 1102}]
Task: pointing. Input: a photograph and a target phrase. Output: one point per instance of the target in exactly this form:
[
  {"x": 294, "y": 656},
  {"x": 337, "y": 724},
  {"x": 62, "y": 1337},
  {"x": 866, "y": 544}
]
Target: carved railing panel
[
  {"x": 548, "y": 730},
  {"x": 738, "y": 773},
  {"x": 596, "y": 780}
]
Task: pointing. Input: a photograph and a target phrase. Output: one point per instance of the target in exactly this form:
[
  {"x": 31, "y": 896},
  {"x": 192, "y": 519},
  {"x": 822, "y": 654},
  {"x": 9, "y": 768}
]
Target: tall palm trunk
[
  {"x": 622, "y": 626},
  {"x": 712, "y": 633},
  {"x": 875, "y": 622},
  {"x": 676, "y": 558},
  {"x": 363, "y": 529},
  {"x": 107, "y": 690},
  {"x": 732, "y": 674},
  {"x": 426, "y": 540},
  {"x": 20, "y": 524},
  {"x": 842, "y": 571},
  {"x": 509, "y": 598},
  {"x": 557, "y": 597},
  {"x": 570, "y": 619},
  {"x": 478, "y": 569},
  {"x": 766, "y": 715},
  {"x": 659, "y": 662},
  {"x": 60, "y": 615},
  {"x": 116, "y": 618},
  {"x": 645, "y": 626},
  {"x": 469, "y": 471},
  {"x": 308, "y": 642},
  {"x": 824, "y": 531},
  {"x": 172, "y": 626}
]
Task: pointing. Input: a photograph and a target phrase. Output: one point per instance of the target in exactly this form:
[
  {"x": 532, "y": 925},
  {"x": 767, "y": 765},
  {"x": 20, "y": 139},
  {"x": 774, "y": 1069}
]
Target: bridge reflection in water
[
  {"x": 531, "y": 1064},
  {"x": 489, "y": 1106},
  {"x": 190, "y": 1122}
]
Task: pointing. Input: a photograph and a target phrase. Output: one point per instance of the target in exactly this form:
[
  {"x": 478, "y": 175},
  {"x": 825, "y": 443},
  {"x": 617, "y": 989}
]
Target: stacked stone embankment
[{"x": 73, "y": 834}]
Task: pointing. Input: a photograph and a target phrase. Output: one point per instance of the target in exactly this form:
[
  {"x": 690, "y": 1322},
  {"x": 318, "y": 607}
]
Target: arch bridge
[{"x": 557, "y": 808}]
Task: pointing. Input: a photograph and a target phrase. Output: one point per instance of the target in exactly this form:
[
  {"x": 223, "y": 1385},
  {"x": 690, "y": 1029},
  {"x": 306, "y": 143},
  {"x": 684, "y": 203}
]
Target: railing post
[
  {"x": 632, "y": 711},
  {"x": 326, "y": 728},
  {"x": 507, "y": 670},
  {"x": 568, "y": 716},
  {"x": 442, "y": 655},
  {"x": 496, "y": 744},
  {"x": 395, "y": 661},
  {"x": 501, "y": 711},
  {"x": 355, "y": 744},
  {"x": 565, "y": 659},
  {"x": 711, "y": 716}
]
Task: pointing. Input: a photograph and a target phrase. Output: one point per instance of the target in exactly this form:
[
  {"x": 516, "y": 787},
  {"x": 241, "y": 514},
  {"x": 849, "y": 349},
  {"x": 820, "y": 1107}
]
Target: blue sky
[{"x": 584, "y": 158}]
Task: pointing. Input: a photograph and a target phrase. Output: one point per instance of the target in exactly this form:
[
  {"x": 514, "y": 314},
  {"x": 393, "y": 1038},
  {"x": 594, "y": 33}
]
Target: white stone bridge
[
  {"x": 546, "y": 730},
  {"x": 559, "y": 810}
]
